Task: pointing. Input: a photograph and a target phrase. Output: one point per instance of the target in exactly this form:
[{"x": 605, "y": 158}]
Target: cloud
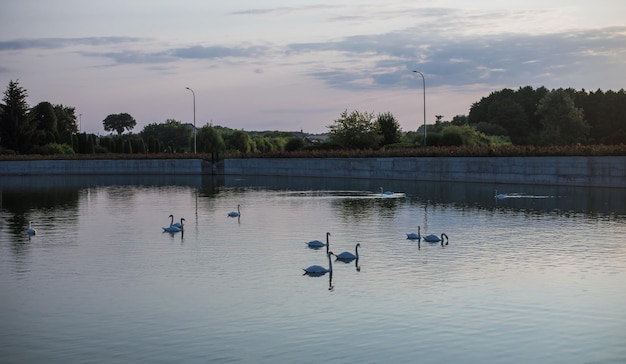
[
  {"x": 55, "y": 43},
  {"x": 484, "y": 58},
  {"x": 200, "y": 52},
  {"x": 285, "y": 10}
]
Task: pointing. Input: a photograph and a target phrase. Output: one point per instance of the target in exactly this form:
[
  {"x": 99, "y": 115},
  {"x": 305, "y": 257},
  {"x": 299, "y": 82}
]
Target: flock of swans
[
  {"x": 177, "y": 227},
  {"x": 346, "y": 257},
  {"x": 431, "y": 238}
]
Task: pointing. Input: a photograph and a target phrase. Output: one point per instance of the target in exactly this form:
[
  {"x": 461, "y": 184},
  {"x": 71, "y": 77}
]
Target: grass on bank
[{"x": 449, "y": 151}]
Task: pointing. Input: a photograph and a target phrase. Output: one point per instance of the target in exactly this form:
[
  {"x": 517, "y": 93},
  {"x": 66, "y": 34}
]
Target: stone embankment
[{"x": 565, "y": 171}]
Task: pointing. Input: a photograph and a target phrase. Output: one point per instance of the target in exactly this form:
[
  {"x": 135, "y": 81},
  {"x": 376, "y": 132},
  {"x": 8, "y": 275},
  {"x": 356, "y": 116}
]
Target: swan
[
  {"x": 414, "y": 236},
  {"x": 31, "y": 231},
  {"x": 500, "y": 196},
  {"x": 386, "y": 193},
  {"x": 172, "y": 229},
  {"x": 347, "y": 256},
  {"x": 432, "y": 238},
  {"x": 318, "y": 270},
  {"x": 180, "y": 224},
  {"x": 235, "y": 213},
  {"x": 316, "y": 244}
]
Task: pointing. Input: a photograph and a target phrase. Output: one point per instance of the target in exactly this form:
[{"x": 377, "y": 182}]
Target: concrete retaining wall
[
  {"x": 567, "y": 171},
  {"x": 104, "y": 166}
]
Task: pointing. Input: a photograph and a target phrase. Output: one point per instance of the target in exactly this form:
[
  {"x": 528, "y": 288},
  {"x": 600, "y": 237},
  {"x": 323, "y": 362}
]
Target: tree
[
  {"x": 119, "y": 123},
  {"x": 389, "y": 128},
  {"x": 172, "y": 133},
  {"x": 510, "y": 115},
  {"x": 15, "y": 129},
  {"x": 210, "y": 141},
  {"x": 240, "y": 141},
  {"x": 294, "y": 144},
  {"x": 44, "y": 121},
  {"x": 66, "y": 119},
  {"x": 562, "y": 122},
  {"x": 355, "y": 130}
]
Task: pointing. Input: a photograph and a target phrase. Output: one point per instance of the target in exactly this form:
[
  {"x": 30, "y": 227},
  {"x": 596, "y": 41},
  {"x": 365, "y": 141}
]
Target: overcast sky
[{"x": 297, "y": 64}]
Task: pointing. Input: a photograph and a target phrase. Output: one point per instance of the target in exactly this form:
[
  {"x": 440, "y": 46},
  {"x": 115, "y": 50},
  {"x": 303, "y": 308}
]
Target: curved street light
[
  {"x": 424, "y": 87},
  {"x": 194, "y": 120}
]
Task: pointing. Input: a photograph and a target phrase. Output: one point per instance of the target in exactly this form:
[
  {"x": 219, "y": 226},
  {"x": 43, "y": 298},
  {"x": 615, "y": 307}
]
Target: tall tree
[
  {"x": 563, "y": 123},
  {"x": 389, "y": 128},
  {"x": 171, "y": 132},
  {"x": 210, "y": 141},
  {"x": 15, "y": 129},
  {"x": 44, "y": 120},
  {"x": 66, "y": 119},
  {"x": 355, "y": 130},
  {"x": 119, "y": 123}
]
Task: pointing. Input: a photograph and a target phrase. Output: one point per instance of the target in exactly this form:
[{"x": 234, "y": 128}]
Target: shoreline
[{"x": 608, "y": 171}]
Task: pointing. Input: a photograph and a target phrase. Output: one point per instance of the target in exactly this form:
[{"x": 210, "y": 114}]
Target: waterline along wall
[
  {"x": 105, "y": 166},
  {"x": 566, "y": 171}
]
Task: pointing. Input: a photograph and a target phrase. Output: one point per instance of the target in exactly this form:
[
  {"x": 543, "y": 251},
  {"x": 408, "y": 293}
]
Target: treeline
[
  {"x": 529, "y": 116},
  {"x": 523, "y": 117}
]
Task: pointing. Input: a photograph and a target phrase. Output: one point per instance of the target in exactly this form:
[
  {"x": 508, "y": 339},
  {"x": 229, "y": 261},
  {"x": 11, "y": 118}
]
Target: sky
[{"x": 294, "y": 65}]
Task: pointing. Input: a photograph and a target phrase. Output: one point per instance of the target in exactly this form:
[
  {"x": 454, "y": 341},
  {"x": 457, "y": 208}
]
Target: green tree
[
  {"x": 172, "y": 133},
  {"x": 240, "y": 141},
  {"x": 389, "y": 128},
  {"x": 44, "y": 121},
  {"x": 210, "y": 141},
  {"x": 562, "y": 122},
  {"x": 510, "y": 115},
  {"x": 15, "y": 129},
  {"x": 355, "y": 130},
  {"x": 66, "y": 119},
  {"x": 294, "y": 144},
  {"x": 119, "y": 123},
  {"x": 459, "y": 120}
]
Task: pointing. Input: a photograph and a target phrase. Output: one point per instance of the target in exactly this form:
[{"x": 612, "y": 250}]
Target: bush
[
  {"x": 4, "y": 150},
  {"x": 294, "y": 144},
  {"x": 53, "y": 148}
]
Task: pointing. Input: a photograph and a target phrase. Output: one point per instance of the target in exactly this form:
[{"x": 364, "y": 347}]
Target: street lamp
[
  {"x": 194, "y": 120},
  {"x": 424, "y": 87}
]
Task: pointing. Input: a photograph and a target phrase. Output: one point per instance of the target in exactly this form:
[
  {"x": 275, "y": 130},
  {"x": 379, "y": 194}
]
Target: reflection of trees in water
[
  {"x": 211, "y": 186},
  {"x": 22, "y": 205},
  {"x": 121, "y": 193},
  {"x": 40, "y": 206},
  {"x": 356, "y": 209}
]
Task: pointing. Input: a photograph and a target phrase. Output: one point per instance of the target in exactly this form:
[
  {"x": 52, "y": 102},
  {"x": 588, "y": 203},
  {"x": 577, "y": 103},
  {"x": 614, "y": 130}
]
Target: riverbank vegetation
[{"x": 523, "y": 122}]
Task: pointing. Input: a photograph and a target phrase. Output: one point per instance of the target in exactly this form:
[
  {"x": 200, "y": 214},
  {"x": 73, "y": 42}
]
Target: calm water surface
[{"x": 536, "y": 277}]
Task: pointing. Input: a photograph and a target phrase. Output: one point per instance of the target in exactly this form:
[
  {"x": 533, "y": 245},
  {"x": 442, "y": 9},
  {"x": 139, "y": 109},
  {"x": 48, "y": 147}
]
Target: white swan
[
  {"x": 235, "y": 213},
  {"x": 414, "y": 236},
  {"x": 180, "y": 224},
  {"x": 347, "y": 256},
  {"x": 386, "y": 193},
  {"x": 500, "y": 196},
  {"x": 432, "y": 238},
  {"x": 316, "y": 244},
  {"x": 318, "y": 270},
  {"x": 31, "y": 231},
  {"x": 172, "y": 229}
]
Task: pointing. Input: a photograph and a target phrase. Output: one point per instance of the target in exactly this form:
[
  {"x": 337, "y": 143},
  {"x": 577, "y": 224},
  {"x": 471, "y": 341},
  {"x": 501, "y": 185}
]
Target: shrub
[
  {"x": 53, "y": 148},
  {"x": 294, "y": 144}
]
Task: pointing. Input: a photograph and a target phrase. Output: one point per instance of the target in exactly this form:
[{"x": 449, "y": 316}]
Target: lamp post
[
  {"x": 424, "y": 88},
  {"x": 194, "y": 120}
]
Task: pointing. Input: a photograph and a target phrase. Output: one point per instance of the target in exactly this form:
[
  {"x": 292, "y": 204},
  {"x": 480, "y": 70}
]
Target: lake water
[{"x": 538, "y": 277}]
